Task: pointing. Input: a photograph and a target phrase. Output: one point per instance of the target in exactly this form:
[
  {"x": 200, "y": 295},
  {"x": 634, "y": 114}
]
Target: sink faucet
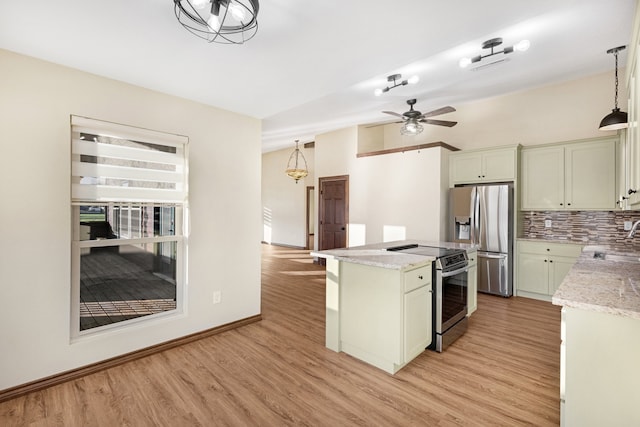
[{"x": 633, "y": 229}]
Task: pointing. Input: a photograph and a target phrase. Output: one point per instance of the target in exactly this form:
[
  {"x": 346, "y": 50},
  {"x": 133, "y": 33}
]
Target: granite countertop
[
  {"x": 375, "y": 254},
  {"x": 602, "y": 285}
]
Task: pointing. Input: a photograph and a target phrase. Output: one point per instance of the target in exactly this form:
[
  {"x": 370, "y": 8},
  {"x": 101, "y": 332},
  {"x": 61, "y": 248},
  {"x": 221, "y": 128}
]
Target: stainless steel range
[{"x": 450, "y": 291}]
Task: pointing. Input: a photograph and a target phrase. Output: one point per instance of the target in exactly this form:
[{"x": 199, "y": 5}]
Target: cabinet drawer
[
  {"x": 413, "y": 279},
  {"x": 546, "y": 248}
]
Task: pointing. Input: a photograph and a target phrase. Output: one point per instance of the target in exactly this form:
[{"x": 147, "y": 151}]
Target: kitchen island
[
  {"x": 378, "y": 303},
  {"x": 600, "y": 333}
]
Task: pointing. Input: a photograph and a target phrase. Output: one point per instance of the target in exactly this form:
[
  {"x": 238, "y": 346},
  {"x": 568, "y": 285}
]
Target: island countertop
[
  {"x": 602, "y": 285},
  {"x": 376, "y": 254}
]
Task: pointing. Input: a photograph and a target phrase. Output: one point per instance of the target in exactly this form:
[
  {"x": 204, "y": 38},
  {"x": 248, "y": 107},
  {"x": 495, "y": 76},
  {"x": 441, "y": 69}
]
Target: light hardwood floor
[{"x": 503, "y": 372}]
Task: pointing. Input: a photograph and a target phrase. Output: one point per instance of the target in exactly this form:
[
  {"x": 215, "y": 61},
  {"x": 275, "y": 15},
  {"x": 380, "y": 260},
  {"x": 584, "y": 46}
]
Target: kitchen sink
[{"x": 616, "y": 257}]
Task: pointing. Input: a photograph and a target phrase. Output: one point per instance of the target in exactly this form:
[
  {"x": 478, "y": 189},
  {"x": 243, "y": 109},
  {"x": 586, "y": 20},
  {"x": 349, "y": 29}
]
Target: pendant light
[
  {"x": 294, "y": 166},
  {"x": 616, "y": 119}
]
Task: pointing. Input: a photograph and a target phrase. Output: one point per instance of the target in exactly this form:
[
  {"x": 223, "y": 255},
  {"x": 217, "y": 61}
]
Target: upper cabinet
[
  {"x": 493, "y": 165},
  {"x": 572, "y": 176},
  {"x": 630, "y": 181}
]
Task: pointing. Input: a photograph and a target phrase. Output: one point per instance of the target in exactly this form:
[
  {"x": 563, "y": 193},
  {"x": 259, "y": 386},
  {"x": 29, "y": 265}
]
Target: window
[{"x": 129, "y": 197}]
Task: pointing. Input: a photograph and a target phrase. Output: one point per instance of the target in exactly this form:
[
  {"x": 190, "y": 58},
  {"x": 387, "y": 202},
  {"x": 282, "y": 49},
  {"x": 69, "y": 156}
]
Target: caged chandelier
[{"x": 220, "y": 21}]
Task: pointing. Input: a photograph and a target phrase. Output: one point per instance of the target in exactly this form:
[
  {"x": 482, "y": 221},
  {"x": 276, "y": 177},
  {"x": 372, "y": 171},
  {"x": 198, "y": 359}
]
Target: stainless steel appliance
[
  {"x": 450, "y": 292},
  {"x": 482, "y": 215}
]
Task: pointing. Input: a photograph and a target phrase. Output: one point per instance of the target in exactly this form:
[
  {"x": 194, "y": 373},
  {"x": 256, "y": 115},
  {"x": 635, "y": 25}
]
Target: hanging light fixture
[
  {"x": 220, "y": 21},
  {"x": 294, "y": 166},
  {"x": 616, "y": 119}
]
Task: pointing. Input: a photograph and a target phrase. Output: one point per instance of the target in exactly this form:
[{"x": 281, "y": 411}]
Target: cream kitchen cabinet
[
  {"x": 385, "y": 314},
  {"x": 492, "y": 165},
  {"x": 631, "y": 136},
  {"x": 599, "y": 373},
  {"x": 472, "y": 283},
  {"x": 542, "y": 266},
  {"x": 573, "y": 176}
]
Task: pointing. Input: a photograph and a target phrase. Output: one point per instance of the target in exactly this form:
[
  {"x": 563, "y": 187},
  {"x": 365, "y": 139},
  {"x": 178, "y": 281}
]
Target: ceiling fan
[{"x": 413, "y": 118}]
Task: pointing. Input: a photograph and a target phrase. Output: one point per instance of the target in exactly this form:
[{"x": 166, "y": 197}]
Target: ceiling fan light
[
  {"x": 615, "y": 120},
  {"x": 411, "y": 128}
]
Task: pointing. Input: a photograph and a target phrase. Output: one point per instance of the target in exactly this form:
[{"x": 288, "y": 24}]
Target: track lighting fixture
[
  {"x": 394, "y": 78},
  {"x": 491, "y": 44}
]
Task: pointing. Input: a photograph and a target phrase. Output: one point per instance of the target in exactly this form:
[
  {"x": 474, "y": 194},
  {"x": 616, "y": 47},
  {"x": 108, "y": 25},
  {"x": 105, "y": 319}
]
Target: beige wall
[
  {"x": 284, "y": 202},
  {"x": 410, "y": 189},
  {"x": 554, "y": 113},
  {"x": 399, "y": 191},
  {"x": 36, "y": 101}
]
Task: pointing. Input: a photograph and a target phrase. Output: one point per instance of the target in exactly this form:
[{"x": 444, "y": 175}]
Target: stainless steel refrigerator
[{"x": 483, "y": 215}]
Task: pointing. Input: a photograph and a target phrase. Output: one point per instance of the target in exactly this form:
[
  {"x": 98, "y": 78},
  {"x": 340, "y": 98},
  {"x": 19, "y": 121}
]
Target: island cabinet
[
  {"x": 542, "y": 266},
  {"x": 472, "y": 282},
  {"x": 572, "y": 176},
  {"x": 385, "y": 314},
  {"x": 491, "y": 165},
  {"x": 599, "y": 375}
]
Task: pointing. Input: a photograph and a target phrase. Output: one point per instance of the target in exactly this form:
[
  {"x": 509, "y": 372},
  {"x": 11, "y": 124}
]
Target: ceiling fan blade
[
  {"x": 383, "y": 123},
  {"x": 443, "y": 110},
  {"x": 394, "y": 114},
  {"x": 439, "y": 122}
]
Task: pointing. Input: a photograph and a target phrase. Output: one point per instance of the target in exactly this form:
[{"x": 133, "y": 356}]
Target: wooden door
[{"x": 333, "y": 213}]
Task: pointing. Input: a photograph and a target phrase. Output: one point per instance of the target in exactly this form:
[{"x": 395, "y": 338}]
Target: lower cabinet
[
  {"x": 542, "y": 266},
  {"x": 599, "y": 373},
  {"x": 385, "y": 314},
  {"x": 472, "y": 280}
]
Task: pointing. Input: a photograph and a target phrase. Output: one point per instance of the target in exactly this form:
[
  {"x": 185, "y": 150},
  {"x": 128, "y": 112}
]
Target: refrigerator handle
[{"x": 475, "y": 210}]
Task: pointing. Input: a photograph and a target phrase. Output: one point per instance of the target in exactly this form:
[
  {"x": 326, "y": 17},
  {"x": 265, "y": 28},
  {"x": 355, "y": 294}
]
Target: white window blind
[{"x": 113, "y": 162}]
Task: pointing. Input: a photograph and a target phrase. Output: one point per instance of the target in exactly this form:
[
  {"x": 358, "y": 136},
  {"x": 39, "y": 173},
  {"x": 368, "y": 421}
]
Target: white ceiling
[{"x": 313, "y": 65}]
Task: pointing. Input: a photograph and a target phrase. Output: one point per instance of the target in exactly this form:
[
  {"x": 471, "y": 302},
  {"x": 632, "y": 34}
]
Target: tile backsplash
[{"x": 585, "y": 227}]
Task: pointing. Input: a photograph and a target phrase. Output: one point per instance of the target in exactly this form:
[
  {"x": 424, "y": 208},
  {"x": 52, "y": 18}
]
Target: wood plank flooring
[{"x": 503, "y": 372}]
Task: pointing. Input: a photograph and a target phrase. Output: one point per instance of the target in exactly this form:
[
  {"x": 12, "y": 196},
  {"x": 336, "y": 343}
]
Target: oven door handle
[{"x": 454, "y": 272}]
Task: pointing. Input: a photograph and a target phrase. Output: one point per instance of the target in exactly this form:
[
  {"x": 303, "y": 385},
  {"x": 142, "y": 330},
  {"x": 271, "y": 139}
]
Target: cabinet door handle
[
  {"x": 568, "y": 204},
  {"x": 545, "y": 260},
  {"x": 560, "y": 204},
  {"x": 548, "y": 249},
  {"x": 420, "y": 277},
  {"x": 550, "y": 260}
]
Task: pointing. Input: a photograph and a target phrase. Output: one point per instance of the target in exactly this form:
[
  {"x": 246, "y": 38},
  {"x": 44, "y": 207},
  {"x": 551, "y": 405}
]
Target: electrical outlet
[
  {"x": 627, "y": 225},
  {"x": 547, "y": 223},
  {"x": 217, "y": 297}
]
